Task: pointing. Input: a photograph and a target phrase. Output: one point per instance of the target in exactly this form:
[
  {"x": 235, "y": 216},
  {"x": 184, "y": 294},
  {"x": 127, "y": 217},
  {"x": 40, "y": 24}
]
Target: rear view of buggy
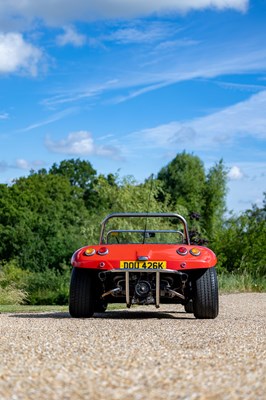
[{"x": 144, "y": 267}]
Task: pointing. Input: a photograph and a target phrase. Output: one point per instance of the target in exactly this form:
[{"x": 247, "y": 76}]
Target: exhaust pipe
[
  {"x": 116, "y": 290},
  {"x": 174, "y": 293}
]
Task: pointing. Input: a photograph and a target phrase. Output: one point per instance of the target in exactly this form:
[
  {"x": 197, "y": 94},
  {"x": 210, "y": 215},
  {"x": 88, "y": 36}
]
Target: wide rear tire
[
  {"x": 81, "y": 294},
  {"x": 189, "y": 307},
  {"x": 100, "y": 306},
  {"x": 205, "y": 296}
]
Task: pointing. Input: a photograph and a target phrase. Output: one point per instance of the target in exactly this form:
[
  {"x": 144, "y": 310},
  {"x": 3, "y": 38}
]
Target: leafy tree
[
  {"x": 184, "y": 179},
  {"x": 241, "y": 242},
  {"x": 80, "y": 173},
  {"x": 94, "y": 197},
  {"x": 40, "y": 221},
  {"x": 214, "y": 198}
]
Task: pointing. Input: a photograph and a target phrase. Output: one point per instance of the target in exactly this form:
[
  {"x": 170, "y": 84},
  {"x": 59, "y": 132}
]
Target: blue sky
[{"x": 128, "y": 84}]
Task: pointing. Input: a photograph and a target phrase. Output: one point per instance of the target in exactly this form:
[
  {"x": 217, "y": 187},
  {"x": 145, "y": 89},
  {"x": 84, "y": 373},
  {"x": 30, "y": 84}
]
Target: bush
[
  {"x": 10, "y": 295},
  {"x": 18, "y": 286},
  {"x": 12, "y": 287},
  {"x": 48, "y": 287}
]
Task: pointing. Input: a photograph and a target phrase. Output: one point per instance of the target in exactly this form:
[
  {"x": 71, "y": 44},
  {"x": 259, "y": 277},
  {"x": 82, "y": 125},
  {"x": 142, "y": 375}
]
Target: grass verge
[
  {"x": 236, "y": 283},
  {"x": 16, "y": 308}
]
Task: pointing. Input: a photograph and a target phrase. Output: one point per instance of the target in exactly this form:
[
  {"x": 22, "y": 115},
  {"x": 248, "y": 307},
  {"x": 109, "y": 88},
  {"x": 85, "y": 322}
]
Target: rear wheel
[
  {"x": 81, "y": 296},
  {"x": 189, "y": 307},
  {"x": 100, "y": 306},
  {"x": 205, "y": 295}
]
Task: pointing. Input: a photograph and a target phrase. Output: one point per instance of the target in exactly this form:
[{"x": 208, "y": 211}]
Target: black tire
[
  {"x": 189, "y": 307},
  {"x": 81, "y": 296},
  {"x": 205, "y": 295},
  {"x": 100, "y": 306}
]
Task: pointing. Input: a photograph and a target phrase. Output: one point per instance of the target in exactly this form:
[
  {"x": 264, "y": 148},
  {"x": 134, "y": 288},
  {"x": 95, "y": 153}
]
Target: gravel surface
[{"x": 141, "y": 353}]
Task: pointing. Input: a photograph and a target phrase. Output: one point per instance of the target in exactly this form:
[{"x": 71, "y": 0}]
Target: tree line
[{"x": 47, "y": 215}]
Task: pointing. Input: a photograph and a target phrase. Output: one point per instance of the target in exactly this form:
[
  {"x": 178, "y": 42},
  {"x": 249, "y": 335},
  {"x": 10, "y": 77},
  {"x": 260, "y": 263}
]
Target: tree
[
  {"x": 204, "y": 196},
  {"x": 184, "y": 179},
  {"x": 41, "y": 219},
  {"x": 80, "y": 173},
  {"x": 241, "y": 242},
  {"x": 214, "y": 198}
]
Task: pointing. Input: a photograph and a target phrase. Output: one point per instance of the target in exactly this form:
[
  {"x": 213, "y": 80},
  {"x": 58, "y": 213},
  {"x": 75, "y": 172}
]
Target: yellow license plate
[{"x": 143, "y": 265}]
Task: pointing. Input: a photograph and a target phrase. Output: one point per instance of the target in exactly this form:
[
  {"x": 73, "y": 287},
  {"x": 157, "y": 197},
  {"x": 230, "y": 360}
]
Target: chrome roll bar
[{"x": 145, "y": 215}]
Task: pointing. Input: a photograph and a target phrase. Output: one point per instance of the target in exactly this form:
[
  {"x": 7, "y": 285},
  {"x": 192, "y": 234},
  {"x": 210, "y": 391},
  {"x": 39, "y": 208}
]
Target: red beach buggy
[{"x": 137, "y": 264}]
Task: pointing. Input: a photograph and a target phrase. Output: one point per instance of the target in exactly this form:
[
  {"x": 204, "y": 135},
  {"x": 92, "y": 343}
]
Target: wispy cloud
[
  {"x": 243, "y": 87},
  {"x": 152, "y": 71},
  {"x": 52, "y": 118},
  {"x": 138, "y": 32},
  {"x": 246, "y": 118},
  {"x": 71, "y": 37},
  {"x": 73, "y": 95},
  {"x": 22, "y": 164},
  {"x": 4, "y": 115}
]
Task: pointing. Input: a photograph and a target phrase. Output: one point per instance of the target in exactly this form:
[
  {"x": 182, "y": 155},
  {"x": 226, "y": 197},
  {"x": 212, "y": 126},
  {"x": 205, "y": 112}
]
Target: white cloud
[
  {"x": 76, "y": 143},
  {"x": 235, "y": 173},
  {"x": 138, "y": 32},
  {"x": 16, "y": 55},
  {"x": 57, "y": 12},
  {"x": 3, "y": 166},
  {"x": 53, "y": 118},
  {"x": 70, "y": 36},
  {"x": 245, "y": 119},
  {"x": 4, "y": 115},
  {"x": 80, "y": 143},
  {"x": 151, "y": 71},
  {"x": 244, "y": 192},
  {"x": 22, "y": 164}
]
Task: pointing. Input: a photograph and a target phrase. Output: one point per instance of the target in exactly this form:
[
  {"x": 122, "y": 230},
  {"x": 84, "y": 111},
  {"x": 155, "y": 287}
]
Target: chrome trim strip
[
  {"x": 127, "y": 289},
  {"x": 157, "y": 297},
  {"x": 168, "y": 271}
]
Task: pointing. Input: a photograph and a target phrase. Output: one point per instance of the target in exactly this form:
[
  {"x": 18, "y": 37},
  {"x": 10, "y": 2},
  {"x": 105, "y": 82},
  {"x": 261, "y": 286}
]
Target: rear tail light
[
  {"x": 103, "y": 251},
  {"x": 182, "y": 251},
  {"x": 195, "y": 251},
  {"x": 89, "y": 252}
]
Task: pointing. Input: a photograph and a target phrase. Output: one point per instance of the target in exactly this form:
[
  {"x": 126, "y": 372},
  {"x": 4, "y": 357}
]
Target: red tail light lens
[
  {"x": 103, "y": 251},
  {"x": 182, "y": 251}
]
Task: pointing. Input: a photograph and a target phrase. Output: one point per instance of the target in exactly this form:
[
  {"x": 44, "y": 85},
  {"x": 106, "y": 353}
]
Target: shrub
[
  {"x": 12, "y": 286},
  {"x": 49, "y": 287},
  {"x": 10, "y": 295}
]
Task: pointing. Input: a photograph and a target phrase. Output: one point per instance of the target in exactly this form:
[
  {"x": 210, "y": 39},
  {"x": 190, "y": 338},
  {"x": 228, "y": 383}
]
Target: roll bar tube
[{"x": 145, "y": 215}]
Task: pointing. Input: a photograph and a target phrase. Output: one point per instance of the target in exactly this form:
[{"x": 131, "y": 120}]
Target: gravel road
[{"x": 141, "y": 353}]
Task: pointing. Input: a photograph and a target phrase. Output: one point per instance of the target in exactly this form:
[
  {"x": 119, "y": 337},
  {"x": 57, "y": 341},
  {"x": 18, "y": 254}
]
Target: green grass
[
  {"x": 26, "y": 309},
  {"x": 37, "y": 309},
  {"x": 236, "y": 283}
]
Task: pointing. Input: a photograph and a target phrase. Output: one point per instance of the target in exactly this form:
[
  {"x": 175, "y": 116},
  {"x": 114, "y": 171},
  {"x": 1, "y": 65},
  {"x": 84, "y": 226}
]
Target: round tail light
[
  {"x": 89, "y": 252},
  {"x": 182, "y": 251},
  {"x": 195, "y": 251},
  {"x": 103, "y": 251}
]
